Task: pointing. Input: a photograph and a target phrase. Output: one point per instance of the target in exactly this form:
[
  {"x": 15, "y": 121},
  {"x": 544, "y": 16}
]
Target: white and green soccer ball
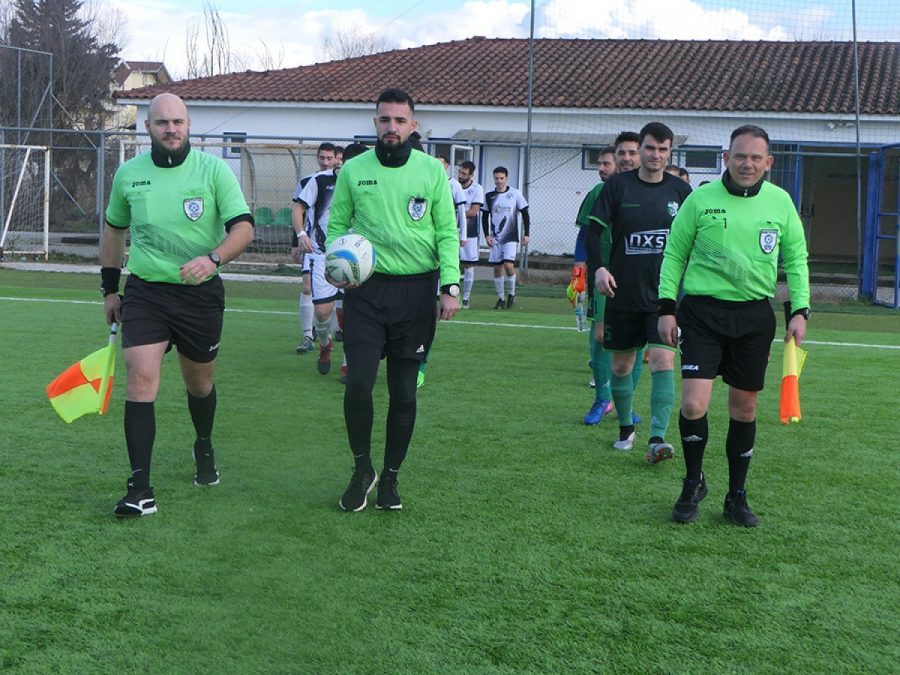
[{"x": 349, "y": 260}]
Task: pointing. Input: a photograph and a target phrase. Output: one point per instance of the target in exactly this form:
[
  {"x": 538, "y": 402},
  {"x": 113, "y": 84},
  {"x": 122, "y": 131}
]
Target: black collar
[
  {"x": 393, "y": 157},
  {"x": 738, "y": 191},
  {"x": 169, "y": 160}
]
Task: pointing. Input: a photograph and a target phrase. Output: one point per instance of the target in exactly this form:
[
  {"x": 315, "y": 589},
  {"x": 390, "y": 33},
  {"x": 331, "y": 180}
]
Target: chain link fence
[{"x": 823, "y": 184}]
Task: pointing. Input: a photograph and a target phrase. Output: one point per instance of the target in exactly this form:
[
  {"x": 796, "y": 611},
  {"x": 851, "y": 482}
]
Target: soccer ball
[{"x": 349, "y": 260}]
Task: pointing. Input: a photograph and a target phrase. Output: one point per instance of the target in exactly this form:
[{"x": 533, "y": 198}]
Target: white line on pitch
[{"x": 532, "y": 326}]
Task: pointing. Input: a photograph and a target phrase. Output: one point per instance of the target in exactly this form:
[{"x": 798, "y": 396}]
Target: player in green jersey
[{"x": 726, "y": 239}]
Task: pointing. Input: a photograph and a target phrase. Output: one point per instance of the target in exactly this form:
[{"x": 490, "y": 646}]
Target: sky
[{"x": 287, "y": 33}]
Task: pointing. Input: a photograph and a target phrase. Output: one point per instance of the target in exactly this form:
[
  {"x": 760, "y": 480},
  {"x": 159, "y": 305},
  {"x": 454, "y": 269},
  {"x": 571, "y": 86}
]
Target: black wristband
[
  {"x": 804, "y": 312},
  {"x": 109, "y": 279},
  {"x": 666, "y": 307}
]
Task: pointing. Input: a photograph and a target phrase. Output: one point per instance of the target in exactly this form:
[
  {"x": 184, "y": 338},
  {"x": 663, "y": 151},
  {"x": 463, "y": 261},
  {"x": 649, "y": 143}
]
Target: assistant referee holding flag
[
  {"x": 178, "y": 204},
  {"x": 400, "y": 201},
  {"x": 729, "y": 235}
]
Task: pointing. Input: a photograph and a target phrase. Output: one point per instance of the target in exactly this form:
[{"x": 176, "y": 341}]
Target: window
[
  {"x": 590, "y": 158},
  {"x": 233, "y": 137},
  {"x": 698, "y": 157}
]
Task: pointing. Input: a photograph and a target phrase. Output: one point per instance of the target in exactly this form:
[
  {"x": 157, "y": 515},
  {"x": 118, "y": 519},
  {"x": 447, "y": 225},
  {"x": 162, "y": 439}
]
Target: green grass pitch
[{"x": 526, "y": 543}]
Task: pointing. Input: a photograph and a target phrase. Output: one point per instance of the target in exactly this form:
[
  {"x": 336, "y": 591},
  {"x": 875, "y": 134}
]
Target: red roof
[{"x": 714, "y": 75}]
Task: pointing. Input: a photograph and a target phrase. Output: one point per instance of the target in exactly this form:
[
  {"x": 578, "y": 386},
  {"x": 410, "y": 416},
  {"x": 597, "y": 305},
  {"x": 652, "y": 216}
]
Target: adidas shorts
[
  {"x": 395, "y": 314},
  {"x": 731, "y": 339},
  {"x": 188, "y": 317}
]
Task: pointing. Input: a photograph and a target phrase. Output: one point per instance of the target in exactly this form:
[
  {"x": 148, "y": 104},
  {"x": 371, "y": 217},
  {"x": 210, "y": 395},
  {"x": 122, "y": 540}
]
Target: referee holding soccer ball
[{"x": 400, "y": 201}]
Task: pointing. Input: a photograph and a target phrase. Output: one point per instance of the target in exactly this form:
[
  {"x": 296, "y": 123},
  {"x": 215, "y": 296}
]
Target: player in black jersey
[{"x": 638, "y": 207}]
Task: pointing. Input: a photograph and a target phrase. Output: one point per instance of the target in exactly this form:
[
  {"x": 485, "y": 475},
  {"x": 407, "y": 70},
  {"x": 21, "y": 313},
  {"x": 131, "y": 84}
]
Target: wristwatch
[
  {"x": 451, "y": 289},
  {"x": 802, "y": 312},
  {"x": 215, "y": 258},
  {"x": 106, "y": 291}
]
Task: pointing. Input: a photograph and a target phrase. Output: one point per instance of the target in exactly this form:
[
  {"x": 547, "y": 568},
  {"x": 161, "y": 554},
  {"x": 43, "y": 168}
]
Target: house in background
[
  {"x": 136, "y": 75},
  {"x": 471, "y": 102}
]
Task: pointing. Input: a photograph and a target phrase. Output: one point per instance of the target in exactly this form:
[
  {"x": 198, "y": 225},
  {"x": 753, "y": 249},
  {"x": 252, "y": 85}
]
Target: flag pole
[{"x": 110, "y": 364}]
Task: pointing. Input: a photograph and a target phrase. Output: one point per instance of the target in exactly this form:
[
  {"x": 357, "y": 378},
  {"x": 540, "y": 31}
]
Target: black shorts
[
  {"x": 731, "y": 339},
  {"x": 396, "y": 314},
  {"x": 629, "y": 331},
  {"x": 189, "y": 317}
]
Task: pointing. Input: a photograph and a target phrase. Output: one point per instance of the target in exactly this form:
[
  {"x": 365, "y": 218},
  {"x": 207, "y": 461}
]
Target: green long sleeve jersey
[
  {"x": 407, "y": 212},
  {"x": 730, "y": 246}
]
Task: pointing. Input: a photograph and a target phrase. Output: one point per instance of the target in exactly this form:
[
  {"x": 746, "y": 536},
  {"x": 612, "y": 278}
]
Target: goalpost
[{"x": 24, "y": 200}]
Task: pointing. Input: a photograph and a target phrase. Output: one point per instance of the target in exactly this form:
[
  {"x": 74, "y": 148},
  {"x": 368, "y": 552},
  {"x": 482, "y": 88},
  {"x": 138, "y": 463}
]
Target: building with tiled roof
[
  {"x": 130, "y": 75},
  {"x": 715, "y": 75},
  {"x": 474, "y": 93}
]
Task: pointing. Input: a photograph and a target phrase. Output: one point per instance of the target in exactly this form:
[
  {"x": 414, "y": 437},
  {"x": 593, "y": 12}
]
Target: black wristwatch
[
  {"x": 451, "y": 289},
  {"x": 215, "y": 258},
  {"x": 107, "y": 291},
  {"x": 802, "y": 312}
]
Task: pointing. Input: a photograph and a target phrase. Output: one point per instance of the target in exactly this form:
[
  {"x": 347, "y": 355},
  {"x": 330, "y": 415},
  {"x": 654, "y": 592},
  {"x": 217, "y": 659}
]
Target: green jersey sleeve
[
  {"x": 118, "y": 213},
  {"x": 678, "y": 248},
  {"x": 229, "y": 198}
]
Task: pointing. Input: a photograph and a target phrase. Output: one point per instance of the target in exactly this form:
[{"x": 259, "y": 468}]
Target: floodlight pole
[
  {"x": 527, "y": 172},
  {"x": 526, "y": 178},
  {"x": 859, "y": 217}
]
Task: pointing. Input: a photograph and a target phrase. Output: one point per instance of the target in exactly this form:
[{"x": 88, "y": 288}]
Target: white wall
[{"x": 558, "y": 180}]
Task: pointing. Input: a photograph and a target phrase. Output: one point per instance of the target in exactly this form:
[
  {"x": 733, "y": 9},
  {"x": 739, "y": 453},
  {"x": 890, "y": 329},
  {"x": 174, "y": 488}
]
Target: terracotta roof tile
[{"x": 715, "y": 75}]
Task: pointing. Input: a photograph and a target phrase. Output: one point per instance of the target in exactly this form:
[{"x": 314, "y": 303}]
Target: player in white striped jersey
[
  {"x": 468, "y": 242},
  {"x": 500, "y": 221},
  {"x": 325, "y": 156}
]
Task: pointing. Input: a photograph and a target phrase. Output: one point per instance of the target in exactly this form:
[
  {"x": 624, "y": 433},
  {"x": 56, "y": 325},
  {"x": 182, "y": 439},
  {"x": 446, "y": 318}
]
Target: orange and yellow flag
[
  {"x": 792, "y": 364},
  {"x": 85, "y": 387},
  {"x": 576, "y": 285}
]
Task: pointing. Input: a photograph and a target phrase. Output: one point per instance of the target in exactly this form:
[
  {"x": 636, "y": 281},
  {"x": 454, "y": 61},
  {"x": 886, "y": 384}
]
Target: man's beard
[{"x": 159, "y": 147}]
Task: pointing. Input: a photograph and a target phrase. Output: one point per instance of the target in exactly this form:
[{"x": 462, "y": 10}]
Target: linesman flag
[
  {"x": 792, "y": 364},
  {"x": 85, "y": 387}
]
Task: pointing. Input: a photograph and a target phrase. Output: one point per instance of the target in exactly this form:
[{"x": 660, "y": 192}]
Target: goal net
[{"x": 24, "y": 201}]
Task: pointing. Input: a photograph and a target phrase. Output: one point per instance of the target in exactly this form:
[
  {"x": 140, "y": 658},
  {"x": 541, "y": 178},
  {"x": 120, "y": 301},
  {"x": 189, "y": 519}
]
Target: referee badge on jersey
[
  {"x": 767, "y": 240},
  {"x": 417, "y": 207},
  {"x": 193, "y": 208}
]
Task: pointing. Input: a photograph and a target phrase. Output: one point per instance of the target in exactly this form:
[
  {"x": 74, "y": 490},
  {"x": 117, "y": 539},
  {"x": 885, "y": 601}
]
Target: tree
[
  {"x": 83, "y": 64},
  {"x": 209, "y": 51},
  {"x": 351, "y": 42},
  {"x": 79, "y": 97},
  {"x": 214, "y": 56}
]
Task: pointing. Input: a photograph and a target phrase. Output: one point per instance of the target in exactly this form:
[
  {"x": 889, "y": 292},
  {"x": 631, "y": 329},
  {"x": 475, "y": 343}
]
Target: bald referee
[
  {"x": 400, "y": 201},
  {"x": 187, "y": 217},
  {"x": 727, "y": 239}
]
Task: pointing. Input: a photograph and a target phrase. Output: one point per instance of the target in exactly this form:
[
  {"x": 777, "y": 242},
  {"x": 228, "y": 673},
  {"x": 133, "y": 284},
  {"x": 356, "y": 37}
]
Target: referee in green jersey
[
  {"x": 186, "y": 217},
  {"x": 400, "y": 201},
  {"x": 726, "y": 241}
]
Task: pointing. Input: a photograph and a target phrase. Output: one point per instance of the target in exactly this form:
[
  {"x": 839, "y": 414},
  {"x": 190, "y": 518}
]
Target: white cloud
[
  {"x": 650, "y": 19},
  {"x": 157, "y": 27}
]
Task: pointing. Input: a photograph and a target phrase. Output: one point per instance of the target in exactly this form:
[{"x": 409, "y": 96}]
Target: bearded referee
[
  {"x": 727, "y": 239},
  {"x": 400, "y": 201},
  {"x": 187, "y": 217}
]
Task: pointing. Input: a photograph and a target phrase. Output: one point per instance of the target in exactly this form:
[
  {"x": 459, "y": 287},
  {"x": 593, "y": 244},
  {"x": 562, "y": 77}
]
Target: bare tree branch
[{"x": 351, "y": 42}]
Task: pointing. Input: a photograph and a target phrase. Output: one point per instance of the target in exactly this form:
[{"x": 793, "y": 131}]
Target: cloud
[
  {"x": 292, "y": 38},
  {"x": 650, "y": 19}
]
